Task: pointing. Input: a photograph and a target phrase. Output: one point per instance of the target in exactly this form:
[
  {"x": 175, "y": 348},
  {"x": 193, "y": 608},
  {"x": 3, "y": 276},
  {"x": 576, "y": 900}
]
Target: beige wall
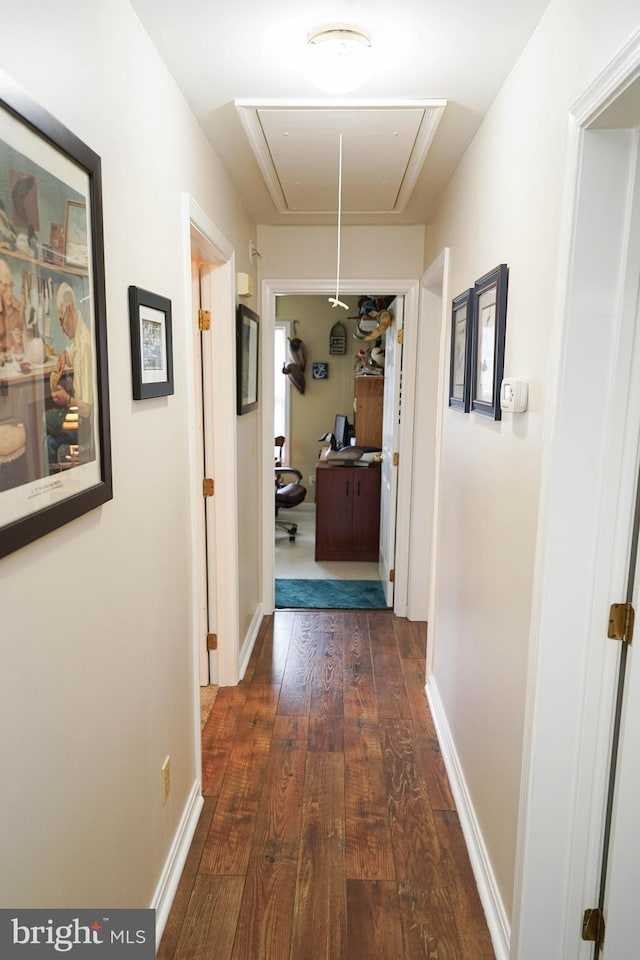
[
  {"x": 312, "y": 414},
  {"x": 367, "y": 253},
  {"x": 96, "y": 662},
  {"x": 504, "y": 205}
]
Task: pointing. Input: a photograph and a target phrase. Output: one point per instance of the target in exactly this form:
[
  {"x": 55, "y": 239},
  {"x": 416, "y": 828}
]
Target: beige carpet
[{"x": 207, "y": 696}]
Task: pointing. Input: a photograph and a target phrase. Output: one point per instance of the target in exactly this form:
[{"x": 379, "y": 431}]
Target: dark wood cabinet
[{"x": 347, "y": 512}]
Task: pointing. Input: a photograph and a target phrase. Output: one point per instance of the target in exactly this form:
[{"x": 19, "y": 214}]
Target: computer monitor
[{"x": 341, "y": 430}]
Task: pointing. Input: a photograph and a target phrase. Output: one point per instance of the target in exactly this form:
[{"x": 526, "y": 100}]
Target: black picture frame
[
  {"x": 247, "y": 356},
  {"x": 460, "y": 354},
  {"x": 55, "y": 458},
  {"x": 151, "y": 344},
  {"x": 488, "y": 340}
]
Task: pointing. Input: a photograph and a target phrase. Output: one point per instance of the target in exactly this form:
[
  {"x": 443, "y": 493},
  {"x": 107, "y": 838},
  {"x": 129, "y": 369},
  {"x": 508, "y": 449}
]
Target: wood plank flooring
[{"x": 328, "y": 831}]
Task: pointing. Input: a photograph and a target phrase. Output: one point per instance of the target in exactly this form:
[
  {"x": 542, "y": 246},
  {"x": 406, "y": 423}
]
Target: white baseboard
[
  {"x": 250, "y": 641},
  {"x": 497, "y": 919},
  {"x": 174, "y": 864}
]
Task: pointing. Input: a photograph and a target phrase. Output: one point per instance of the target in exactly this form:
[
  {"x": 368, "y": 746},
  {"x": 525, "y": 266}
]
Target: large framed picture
[
  {"x": 247, "y": 331},
  {"x": 489, "y": 328},
  {"x": 55, "y": 452},
  {"x": 460, "y": 361},
  {"x": 151, "y": 344}
]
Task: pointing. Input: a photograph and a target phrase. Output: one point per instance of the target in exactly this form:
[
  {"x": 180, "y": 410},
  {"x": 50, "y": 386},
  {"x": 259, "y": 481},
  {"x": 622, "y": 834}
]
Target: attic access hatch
[{"x": 385, "y": 147}]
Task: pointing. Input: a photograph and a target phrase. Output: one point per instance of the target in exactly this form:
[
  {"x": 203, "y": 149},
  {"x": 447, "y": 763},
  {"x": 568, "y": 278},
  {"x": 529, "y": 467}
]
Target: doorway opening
[
  {"x": 585, "y": 548},
  {"x": 210, "y": 383},
  {"x": 328, "y": 401},
  {"x": 331, "y": 370}
]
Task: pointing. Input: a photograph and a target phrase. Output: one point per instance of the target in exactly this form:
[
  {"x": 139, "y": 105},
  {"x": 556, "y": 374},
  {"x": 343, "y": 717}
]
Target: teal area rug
[{"x": 330, "y": 594}]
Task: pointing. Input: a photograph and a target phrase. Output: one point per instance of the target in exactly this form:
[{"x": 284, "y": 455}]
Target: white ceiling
[{"x": 437, "y": 68}]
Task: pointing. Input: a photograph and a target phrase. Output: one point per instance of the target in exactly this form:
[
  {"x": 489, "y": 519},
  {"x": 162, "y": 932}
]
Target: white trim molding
[
  {"x": 250, "y": 641},
  {"x": 495, "y": 913},
  {"x": 174, "y": 865}
]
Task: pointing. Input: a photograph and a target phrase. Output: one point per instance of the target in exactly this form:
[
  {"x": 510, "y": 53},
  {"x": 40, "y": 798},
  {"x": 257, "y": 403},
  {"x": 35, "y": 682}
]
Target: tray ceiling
[{"x": 385, "y": 146}]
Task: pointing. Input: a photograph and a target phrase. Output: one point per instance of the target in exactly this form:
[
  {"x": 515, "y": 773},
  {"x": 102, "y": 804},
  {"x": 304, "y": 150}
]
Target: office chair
[{"x": 289, "y": 494}]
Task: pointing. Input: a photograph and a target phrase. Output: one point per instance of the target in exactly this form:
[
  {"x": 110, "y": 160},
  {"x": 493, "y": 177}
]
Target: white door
[
  {"x": 390, "y": 442},
  {"x": 623, "y": 878},
  {"x": 623, "y": 868},
  {"x": 621, "y": 882}
]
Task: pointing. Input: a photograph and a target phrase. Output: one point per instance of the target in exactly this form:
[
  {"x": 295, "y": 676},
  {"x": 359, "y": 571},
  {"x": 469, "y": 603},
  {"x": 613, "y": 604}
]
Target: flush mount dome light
[{"x": 339, "y": 58}]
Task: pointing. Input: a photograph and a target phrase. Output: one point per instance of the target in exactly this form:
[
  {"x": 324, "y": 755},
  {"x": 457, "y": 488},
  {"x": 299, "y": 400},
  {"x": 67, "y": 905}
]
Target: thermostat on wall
[{"x": 514, "y": 395}]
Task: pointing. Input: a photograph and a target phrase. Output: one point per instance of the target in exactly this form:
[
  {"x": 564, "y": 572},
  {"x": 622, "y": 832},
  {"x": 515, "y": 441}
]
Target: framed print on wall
[
  {"x": 247, "y": 330},
  {"x": 55, "y": 450},
  {"x": 151, "y": 344},
  {"x": 489, "y": 327},
  {"x": 460, "y": 361}
]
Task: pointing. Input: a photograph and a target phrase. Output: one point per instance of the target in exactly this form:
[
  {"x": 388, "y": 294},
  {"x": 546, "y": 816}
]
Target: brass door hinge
[
  {"x": 207, "y": 487},
  {"x": 400, "y": 336},
  {"x": 593, "y": 926},
  {"x": 621, "y": 619},
  {"x": 212, "y": 641},
  {"x": 392, "y": 576},
  {"x": 396, "y": 459},
  {"x": 204, "y": 319}
]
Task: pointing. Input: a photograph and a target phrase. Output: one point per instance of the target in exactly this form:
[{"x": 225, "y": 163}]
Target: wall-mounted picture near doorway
[
  {"x": 478, "y": 328},
  {"x": 489, "y": 327},
  {"x": 247, "y": 330},
  {"x": 55, "y": 454},
  {"x": 460, "y": 364},
  {"x": 151, "y": 344}
]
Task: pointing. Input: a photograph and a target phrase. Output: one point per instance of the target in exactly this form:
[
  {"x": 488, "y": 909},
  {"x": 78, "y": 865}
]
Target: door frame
[
  {"x": 590, "y": 461},
  {"x": 409, "y": 289},
  {"x": 434, "y": 363},
  {"x": 222, "y": 441}
]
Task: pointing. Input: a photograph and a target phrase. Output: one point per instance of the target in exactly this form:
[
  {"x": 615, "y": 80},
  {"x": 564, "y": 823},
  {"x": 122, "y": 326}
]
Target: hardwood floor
[{"x": 328, "y": 831}]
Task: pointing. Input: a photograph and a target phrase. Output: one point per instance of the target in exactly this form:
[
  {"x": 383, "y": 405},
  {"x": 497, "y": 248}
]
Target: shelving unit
[{"x": 369, "y": 398}]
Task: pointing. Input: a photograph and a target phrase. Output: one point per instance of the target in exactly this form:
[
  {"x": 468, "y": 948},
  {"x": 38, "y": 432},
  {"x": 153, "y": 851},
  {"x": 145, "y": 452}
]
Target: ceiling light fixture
[
  {"x": 339, "y": 57},
  {"x": 335, "y": 301}
]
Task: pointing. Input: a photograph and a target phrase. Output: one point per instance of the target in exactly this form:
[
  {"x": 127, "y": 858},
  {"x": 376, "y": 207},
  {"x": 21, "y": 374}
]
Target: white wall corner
[
  {"x": 495, "y": 913},
  {"x": 174, "y": 864}
]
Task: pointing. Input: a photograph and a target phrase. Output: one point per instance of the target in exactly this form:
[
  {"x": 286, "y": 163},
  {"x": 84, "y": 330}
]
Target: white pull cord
[{"x": 335, "y": 301}]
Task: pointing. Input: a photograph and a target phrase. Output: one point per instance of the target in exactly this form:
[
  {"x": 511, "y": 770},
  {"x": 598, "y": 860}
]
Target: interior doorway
[
  {"x": 583, "y": 565},
  {"x": 270, "y": 291},
  {"x": 212, "y": 450},
  {"x": 335, "y": 401}
]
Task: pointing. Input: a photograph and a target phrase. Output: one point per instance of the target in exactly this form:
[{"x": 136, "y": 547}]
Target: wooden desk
[{"x": 347, "y": 512}]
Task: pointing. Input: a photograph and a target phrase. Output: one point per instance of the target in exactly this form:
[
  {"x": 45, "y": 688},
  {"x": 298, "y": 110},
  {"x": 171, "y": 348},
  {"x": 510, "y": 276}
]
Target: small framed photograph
[
  {"x": 247, "y": 330},
  {"x": 320, "y": 371},
  {"x": 151, "y": 344},
  {"x": 460, "y": 362},
  {"x": 489, "y": 327}
]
